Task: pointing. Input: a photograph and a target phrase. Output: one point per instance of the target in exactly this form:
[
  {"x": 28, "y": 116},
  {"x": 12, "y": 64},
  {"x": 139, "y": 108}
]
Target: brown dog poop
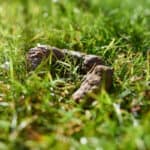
[{"x": 96, "y": 73}]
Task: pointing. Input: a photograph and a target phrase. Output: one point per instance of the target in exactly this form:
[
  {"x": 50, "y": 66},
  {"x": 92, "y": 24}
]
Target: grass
[{"x": 37, "y": 114}]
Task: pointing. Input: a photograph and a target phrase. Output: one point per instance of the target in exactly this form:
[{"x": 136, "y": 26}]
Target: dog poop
[{"x": 92, "y": 67}]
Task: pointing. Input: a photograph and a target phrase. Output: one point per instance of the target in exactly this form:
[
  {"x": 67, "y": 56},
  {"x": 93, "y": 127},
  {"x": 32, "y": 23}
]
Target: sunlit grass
[{"x": 36, "y": 109}]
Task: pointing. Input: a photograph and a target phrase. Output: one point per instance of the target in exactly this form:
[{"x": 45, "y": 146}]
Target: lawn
[{"x": 36, "y": 114}]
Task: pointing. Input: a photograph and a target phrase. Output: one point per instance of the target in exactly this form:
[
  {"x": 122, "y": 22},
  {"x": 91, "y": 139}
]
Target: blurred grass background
[{"x": 32, "y": 118}]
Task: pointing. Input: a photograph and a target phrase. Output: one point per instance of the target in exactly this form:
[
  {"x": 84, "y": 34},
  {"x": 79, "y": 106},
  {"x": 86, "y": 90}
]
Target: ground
[{"x": 36, "y": 111}]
